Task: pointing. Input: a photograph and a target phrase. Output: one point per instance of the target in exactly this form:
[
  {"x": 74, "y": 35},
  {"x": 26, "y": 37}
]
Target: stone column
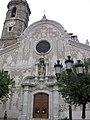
[
  {"x": 46, "y": 73},
  {"x": 25, "y": 105},
  {"x": 55, "y": 103},
  {"x": 25, "y": 99},
  {"x": 36, "y": 74}
]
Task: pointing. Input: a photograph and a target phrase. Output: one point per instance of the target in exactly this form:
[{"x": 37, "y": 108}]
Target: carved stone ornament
[{"x": 42, "y": 68}]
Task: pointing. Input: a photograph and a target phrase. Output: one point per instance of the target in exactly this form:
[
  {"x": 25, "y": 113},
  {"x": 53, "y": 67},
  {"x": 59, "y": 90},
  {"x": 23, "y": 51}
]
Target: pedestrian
[{"x": 5, "y": 115}]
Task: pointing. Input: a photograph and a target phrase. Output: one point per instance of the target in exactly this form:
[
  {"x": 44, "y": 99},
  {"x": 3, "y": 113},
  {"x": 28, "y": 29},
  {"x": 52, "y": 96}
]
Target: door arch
[{"x": 41, "y": 105}]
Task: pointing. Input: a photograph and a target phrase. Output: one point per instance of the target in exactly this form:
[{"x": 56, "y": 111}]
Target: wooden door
[{"x": 41, "y": 105}]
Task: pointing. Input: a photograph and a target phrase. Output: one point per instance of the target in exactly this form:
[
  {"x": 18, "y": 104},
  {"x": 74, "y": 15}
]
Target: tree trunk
[{"x": 83, "y": 111}]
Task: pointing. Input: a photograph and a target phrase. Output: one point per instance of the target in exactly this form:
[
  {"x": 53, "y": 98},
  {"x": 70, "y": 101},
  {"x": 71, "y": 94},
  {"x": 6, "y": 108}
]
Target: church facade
[{"x": 29, "y": 54}]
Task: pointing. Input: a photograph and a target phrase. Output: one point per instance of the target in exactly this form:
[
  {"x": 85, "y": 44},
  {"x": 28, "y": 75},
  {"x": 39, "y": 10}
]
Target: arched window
[{"x": 13, "y": 13}]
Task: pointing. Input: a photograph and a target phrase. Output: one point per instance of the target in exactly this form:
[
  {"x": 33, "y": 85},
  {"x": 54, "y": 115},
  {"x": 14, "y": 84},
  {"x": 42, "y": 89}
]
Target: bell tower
[{"x": 16, "y": 21}]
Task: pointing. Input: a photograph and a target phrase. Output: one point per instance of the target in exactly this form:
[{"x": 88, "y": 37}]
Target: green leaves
[
  {"x": 77, "y": 87},
  {"x": 87, "y": 65},
  {"x": 66, "y": 84},
  {"x": 6, "y": 84}
]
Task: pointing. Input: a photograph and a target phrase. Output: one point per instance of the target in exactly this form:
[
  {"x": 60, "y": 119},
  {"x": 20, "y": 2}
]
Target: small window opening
[
  {"x": 6, "y": 72},
  {"x": 13, "y": 13},
  {"x": 10, "y": 29}
]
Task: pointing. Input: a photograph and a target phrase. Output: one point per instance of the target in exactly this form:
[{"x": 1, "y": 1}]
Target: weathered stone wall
[{"x": 20, "y": 59}]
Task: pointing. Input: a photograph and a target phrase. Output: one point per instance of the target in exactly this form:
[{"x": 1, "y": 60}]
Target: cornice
[
  {"x": 79, "y": 45},
  {"x": 9, "y": 48}
]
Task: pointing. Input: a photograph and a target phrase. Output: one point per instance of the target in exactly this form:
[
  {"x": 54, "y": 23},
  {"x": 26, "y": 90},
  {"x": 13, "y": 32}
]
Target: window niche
[
  {"x": 10, "y": 29},
  {"x": 13, "y": 12}
]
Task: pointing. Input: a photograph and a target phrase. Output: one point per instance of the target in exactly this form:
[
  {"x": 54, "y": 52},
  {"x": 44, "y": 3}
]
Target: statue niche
[{"x": 41, "y": 67}]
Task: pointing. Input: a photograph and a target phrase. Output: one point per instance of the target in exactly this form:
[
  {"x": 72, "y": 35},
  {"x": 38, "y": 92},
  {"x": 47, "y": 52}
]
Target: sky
[{"x": 73, "y": 15}]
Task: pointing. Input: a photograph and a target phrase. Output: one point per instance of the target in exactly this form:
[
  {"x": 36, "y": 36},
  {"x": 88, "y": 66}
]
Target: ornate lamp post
[
  {"x": 69, "y": 63},
  {"x": 80, "y": 70},
  {"x": 58, "y": 67}
]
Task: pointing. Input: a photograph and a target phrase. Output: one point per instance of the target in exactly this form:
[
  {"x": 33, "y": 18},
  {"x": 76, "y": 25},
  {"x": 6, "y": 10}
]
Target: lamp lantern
[
  {"x": 58, "y": 66},
  {"x": 79, "y": 67}
]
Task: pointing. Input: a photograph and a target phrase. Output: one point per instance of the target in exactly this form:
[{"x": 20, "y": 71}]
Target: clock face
[
  {"x": 43, "y": 46},
  {"x": 10, "y": 23}
]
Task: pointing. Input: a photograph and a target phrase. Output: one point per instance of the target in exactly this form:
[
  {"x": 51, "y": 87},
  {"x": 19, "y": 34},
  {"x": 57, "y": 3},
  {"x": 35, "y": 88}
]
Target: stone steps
[
  {"x": 9, "y": 118},
  {"x": 38, "y": 119}
]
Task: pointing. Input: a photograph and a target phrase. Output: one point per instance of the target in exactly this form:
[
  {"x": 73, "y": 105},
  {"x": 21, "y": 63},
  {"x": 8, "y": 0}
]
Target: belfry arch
[{"x": 13, "y": 13}]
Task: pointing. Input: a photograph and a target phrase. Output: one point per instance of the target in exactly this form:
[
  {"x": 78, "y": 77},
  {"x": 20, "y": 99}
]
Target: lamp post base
[{"x": 70, "y": 112}]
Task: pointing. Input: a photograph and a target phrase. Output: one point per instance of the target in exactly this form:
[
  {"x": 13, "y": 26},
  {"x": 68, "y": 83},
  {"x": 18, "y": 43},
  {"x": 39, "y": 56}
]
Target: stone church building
[{"x": 28, "y": 53}]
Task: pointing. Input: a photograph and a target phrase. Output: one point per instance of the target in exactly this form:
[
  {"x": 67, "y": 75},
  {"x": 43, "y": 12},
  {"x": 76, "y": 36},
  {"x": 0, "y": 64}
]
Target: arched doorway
[{"x": 41, "y": 105}]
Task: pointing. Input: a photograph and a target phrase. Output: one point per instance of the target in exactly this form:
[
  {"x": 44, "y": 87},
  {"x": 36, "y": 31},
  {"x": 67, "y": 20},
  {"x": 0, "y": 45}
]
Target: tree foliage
[
  {"x": 6, "y": 84},
  {"x": 76, "y": 87},
  {"x": 66, "y": 84},
  {"x": 81, "y": 89}
]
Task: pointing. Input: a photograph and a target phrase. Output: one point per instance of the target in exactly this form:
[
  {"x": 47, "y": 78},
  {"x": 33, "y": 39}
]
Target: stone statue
[{"x": 42, "y": 67}]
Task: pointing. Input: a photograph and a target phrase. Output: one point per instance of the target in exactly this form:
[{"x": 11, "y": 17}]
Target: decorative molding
[
  {"x": 9, "y": 48},
  {"x": 50, "y": 84},
  {"x": 42, "y": 22},
  {"x": 79, "y": 45},
  {"x": 28, "y": 84}
]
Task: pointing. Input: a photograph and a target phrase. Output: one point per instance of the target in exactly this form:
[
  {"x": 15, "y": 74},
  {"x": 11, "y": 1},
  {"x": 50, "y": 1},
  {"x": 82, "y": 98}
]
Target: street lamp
[
  {"x": 80, "y": 70},
  {"x": 79, "y": 67},
  {"x": 69, "y": 63},
  {"x": 58, "y": 67}
]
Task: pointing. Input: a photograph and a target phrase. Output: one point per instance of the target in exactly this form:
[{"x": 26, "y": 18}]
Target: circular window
[{"x": 43, "y": 47}]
